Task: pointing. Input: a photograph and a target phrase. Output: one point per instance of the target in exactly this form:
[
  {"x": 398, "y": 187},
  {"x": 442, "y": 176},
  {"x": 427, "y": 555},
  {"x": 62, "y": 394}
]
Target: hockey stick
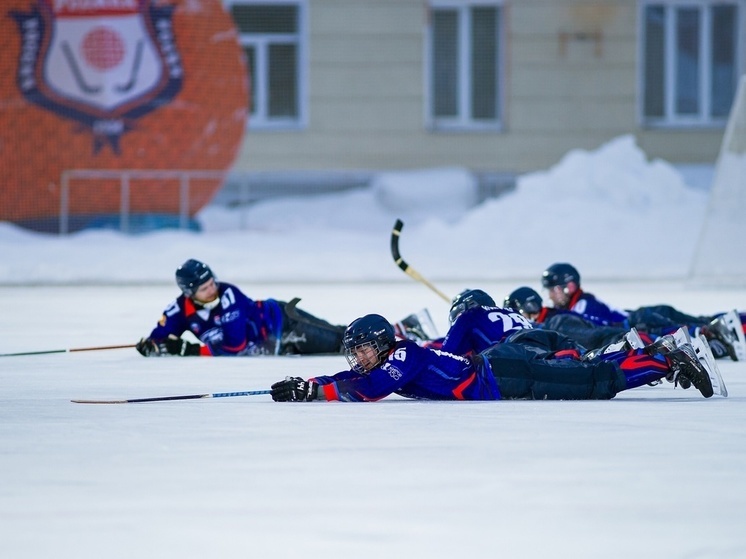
[
  {"x": 411, "y": 272},
  {"x": 171, "y": 398},
  {"x": 67, "y": 350},
  {"x": 135, "y": 70},
  {"x": 77, "y": 74}
]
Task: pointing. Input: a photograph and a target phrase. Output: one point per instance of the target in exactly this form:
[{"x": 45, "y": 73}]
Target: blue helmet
[
  {"x": 370, "y": 330},
  {"x": 468, "y": 299},
  {"x": 524, "y": 300},
  {"x": 191, "y": 274},
  {"x": 560, "y": 273}
]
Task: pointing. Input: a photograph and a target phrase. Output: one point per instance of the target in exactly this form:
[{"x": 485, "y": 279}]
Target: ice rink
[{"x": 656, "y": 472}]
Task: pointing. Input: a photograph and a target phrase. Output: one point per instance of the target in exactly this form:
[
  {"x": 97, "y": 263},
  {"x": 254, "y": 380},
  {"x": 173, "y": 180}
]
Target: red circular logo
[{"x": 103, "y": 48}]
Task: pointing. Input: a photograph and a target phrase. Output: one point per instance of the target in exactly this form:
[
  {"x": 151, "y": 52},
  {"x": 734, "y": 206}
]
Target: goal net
[{"x": 720, "y": 254}]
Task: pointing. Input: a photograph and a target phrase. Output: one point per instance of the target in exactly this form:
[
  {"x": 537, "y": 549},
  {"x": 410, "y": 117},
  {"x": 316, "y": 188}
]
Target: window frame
[
  {"x": 463, "y": 122},
  {"x": 260, "y": 118},
  {"x": 671, "y": 119}
]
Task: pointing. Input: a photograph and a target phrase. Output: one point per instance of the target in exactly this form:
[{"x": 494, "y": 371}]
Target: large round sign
[{"x": 158, "y": 89}]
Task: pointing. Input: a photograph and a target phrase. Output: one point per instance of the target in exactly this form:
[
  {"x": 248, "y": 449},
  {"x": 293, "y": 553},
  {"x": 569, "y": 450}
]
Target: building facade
[{"x": 496, "y": 86}]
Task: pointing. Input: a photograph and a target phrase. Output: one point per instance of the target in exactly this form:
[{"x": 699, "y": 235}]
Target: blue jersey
[
  {"x": 414, "y": 372},
  {"x": 478, "y": 328},
  {"x": 238, "y": 325},
  {"x": 590, "y": 308}
]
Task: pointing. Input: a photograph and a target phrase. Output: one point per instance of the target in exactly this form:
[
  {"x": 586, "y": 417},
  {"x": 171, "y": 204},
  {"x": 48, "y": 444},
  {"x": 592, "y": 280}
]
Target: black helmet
[
  {"x": 559, "y": 274},
  {"x": 467, "y": 299},
  {"x": 524, "y": 300},
  {"x": 373, "y": 330},
  {"x": 191, "y": 274}
]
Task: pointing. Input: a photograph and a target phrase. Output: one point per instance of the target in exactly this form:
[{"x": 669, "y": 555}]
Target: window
[
  {"x": 464, "y": 65},
  {"x": 690, "y": 61},
  {"x": 272, "y": 35}
]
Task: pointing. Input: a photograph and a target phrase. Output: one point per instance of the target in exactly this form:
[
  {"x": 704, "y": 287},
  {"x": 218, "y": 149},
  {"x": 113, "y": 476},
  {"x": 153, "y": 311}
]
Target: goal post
[{"x": 720, "y": 253}]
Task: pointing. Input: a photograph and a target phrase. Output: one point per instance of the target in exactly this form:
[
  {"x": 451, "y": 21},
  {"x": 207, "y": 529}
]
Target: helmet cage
[
  {"x": 370, "y": 331},
  {"x": 351, "y": 354}
]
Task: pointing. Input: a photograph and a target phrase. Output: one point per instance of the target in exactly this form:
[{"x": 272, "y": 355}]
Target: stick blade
[{"x": 395, "y": 232}]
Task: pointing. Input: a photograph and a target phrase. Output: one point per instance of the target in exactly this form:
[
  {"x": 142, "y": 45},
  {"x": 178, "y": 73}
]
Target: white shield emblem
[
  {"x": 103, "y": 63},
  {"x": 102, "y": 60}
]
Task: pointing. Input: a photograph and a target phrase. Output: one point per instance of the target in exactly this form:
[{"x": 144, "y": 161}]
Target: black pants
[
  {"x": 306, "y": 334},
  {"x": 583, "y": 331},
  {"x": 658, "y": 318},
  {"x": 544, "y": 341},
  {"x": 524, "y": 373}
]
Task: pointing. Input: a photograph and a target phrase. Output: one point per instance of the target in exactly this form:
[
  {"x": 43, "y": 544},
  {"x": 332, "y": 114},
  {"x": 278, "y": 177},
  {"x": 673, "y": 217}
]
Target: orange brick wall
[{"x": 200, "y": 127}]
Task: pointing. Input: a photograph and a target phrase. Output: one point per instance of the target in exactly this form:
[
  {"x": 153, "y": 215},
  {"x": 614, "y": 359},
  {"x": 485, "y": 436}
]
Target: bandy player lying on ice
[{"x": 382, "y": 365}]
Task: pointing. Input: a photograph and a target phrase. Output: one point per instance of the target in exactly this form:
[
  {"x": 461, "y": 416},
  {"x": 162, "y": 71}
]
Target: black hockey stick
[
  {"x": 67, "y": 350},
  {"x": 77, "y": 74},
  {"x": 171, "y": 398},
  {"x": 135, "y": 70},
  {"x": 411, "y": 272}
]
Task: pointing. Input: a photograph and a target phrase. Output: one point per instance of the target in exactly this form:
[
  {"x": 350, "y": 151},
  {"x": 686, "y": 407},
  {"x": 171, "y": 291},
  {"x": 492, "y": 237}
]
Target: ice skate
[
  {"x": 634, "y": 340},
  {"x": 684, "y": 362},
  {"x": 726, "y": 330},
  {"x": 664, "y": 346},
  {"x": 631, "y": 340},
  {"x": 418, "y": 327},
  {"x": 733, "y": 320},
  {"x": 702, "y": 350}
]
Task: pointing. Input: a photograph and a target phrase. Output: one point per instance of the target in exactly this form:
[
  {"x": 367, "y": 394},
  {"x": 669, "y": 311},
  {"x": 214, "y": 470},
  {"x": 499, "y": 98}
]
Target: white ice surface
[{"x": 656, "y": 472}]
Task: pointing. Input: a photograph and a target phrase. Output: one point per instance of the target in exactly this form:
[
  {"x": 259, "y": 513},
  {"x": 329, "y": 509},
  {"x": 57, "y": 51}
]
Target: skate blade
[
  {"x": 733, "y": 322},
  {"x": 704, "y": 354}
]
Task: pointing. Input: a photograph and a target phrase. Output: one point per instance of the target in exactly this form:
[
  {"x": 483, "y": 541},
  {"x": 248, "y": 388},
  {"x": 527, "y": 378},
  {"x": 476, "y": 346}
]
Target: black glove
[
  {"x": 294, "y": 389},
  {"x": 173, "y": 346},
  {"x": 178, "y": 346},
  {"x": 150, "y": 348}
]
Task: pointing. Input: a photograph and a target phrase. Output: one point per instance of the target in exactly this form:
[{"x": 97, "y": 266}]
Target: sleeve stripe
[
  {"x": 459, "y": 390},
  {"x": 330, "y": 391}
]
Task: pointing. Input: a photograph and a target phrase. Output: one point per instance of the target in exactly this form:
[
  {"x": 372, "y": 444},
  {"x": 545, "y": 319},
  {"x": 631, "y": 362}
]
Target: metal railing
[{"x": 125, "y": 178}]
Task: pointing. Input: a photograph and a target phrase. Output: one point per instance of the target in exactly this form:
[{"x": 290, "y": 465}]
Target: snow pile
[
  {"x": 611, "y": 212},
  {"x": 446, "y": 194}
]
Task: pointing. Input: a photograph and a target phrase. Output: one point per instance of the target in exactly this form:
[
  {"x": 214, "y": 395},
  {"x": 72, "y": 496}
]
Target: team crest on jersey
[{"x": 101, "y": 63}]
